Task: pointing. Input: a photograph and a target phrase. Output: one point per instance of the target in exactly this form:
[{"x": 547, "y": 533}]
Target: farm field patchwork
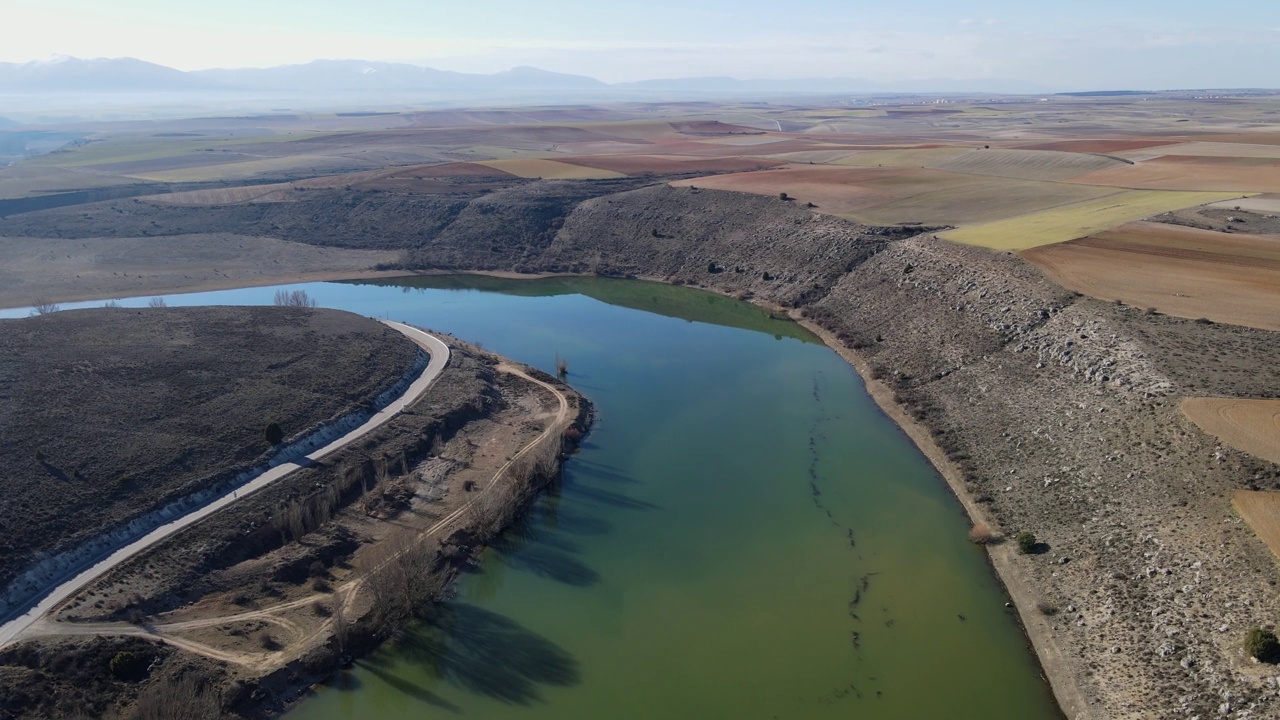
[{"x": 1079, "y": 219}]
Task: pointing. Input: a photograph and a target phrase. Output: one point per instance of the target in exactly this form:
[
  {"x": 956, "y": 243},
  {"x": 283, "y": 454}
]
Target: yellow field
[
  {"x": 1252, "y": 426},
  {"x": 549, "y": 169},
  {"x": 1261, "y": 510},
  {"x": 1079, "y": 219}
]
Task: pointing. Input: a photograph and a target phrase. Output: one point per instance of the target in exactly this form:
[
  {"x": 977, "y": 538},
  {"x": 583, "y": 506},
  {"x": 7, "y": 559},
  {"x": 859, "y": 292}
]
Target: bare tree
[
  {"x": 157, "y": 302},
  {"x": 44, "y": 307},
  {"x": 294, "y": 298},
  {"x": 185, "y": 698},
  {"x": 112, "y": 304}
]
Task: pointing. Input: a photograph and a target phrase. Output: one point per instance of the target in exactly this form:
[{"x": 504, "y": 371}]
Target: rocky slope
[{"x": 1061, "y": 411}]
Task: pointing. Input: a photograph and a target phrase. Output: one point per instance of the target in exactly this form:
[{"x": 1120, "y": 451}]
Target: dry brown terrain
[
  {"x": 1189, "y": 272},
  {"x": 1252, "y": 426},
  {"x": 1261, "y": 509},
  {"x": 63, "y": 270},
  {"x": 110, "y": 413},
  {"x": 1058, "y": 413}
]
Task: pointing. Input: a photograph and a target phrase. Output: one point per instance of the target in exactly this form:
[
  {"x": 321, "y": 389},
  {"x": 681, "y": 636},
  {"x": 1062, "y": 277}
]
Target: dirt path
[
  {"x": 346, "y": 593},
  {"x": 18, "y": 627}
]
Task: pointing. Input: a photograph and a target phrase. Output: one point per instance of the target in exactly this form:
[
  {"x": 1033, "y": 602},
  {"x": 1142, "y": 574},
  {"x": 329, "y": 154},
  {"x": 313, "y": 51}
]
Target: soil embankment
[{"x": 1056, "y": 413}]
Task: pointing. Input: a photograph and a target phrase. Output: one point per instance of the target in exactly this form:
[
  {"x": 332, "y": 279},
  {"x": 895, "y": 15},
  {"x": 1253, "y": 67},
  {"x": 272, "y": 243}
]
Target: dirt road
[{"x": 15, "y": 627}]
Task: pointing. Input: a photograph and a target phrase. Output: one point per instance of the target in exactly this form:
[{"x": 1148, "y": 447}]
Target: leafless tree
[
  {"x": 156, "y": 302},
  {"x": 44, "y": 307},
  {"x": 185, "y": 698},
  {"x": 294, "y": 298}
]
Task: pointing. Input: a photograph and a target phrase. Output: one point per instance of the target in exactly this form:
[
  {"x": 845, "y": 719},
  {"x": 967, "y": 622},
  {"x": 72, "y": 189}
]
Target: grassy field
[{"x": 1079, "y": 219}]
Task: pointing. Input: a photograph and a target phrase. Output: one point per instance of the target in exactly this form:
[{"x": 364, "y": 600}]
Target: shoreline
[
  {"x": 1002, "y": 558},
  {"x": 1055, "y": 667}
]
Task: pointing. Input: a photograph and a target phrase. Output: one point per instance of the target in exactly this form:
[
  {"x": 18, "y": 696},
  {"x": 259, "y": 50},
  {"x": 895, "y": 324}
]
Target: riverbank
[
  {"x": 1057, "y": 669},
  {"x": 263, "y": 610}
]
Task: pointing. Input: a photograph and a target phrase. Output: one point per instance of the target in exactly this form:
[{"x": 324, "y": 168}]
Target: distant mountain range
[{"x": 127, "y": 75}]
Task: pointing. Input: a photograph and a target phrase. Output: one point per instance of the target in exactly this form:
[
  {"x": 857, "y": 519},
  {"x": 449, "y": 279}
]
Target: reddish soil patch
[
  {"x": 1186, "y": 176},
  {"x": 1098, "y": 146},
  {"x": 666, "y": 165},
  {"x": 1193, "y": 273},
  {"x": 1225, "y": 161}
]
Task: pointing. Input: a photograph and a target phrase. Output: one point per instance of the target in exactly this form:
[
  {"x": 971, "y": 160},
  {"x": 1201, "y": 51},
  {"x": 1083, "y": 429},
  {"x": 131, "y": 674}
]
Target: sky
[{"x": 1077, "y": 44}]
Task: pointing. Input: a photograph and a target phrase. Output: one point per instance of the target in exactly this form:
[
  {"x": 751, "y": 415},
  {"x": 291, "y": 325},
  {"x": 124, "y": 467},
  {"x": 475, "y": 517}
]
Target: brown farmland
[
  {"x": 1249, "y": 425},
  {"x": 1225, "y": 277}
]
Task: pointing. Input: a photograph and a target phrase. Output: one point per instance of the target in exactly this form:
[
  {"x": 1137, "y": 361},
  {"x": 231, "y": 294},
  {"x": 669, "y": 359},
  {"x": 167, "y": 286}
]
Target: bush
[
  {"x": 982, "y": 534},
  {"x": 1026, "y": 542},
  {"x": 1263, "y": 645},
  {"x": 273, "y": 433},
  {"x": 129, "y": 666}
]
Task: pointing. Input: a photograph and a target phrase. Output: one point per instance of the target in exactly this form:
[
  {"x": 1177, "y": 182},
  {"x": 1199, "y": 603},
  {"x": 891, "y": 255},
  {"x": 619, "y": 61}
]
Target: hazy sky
[{"x": 1069, "y": 44}]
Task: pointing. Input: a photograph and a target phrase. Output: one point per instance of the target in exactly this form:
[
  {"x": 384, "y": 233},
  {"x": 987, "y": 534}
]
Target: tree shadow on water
[
  {"x": 545, "y": 560},
  {"x": 489, "y": 654},
  {"x": 587, "y": 468},
  {"x": 607, "y": 497},
  {"x": 411, "y": 689}
]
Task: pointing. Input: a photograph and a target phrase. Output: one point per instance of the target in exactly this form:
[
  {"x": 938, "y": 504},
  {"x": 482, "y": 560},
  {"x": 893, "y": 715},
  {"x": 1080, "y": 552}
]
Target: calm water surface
[{"x": 743, "y": 535}]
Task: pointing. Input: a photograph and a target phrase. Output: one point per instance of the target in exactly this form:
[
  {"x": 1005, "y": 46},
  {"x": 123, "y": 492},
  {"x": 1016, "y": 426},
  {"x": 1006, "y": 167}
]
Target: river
[{"x": 742, "y": 535}]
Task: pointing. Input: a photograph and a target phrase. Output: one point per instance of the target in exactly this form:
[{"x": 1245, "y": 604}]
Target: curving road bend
[{"x": 14, "y": 626}]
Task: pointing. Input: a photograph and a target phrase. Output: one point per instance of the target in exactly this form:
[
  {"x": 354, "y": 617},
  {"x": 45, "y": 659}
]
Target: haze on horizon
[{"x": 1089, "y": 44}]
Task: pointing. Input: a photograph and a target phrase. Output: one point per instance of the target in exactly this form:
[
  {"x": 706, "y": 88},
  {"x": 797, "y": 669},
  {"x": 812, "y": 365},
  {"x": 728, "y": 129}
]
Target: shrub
[
  {"x": 128, "y": 666},
  {"x": 982, "y": 534},
  {"x": 273, "y": 433},
  {"x": 1047, "y": 609},
  {"x": 1263, "y": 645},
  {"x": 317, "y": 569},
  {"x": 783, "y": 196},
  {"x": 1026, "y": 542},
  {"x": 267, "y": 642}
]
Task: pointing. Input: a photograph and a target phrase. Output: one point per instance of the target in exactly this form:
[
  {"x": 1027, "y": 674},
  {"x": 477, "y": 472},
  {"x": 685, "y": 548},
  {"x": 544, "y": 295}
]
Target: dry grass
[
  {"x": 1252, "y": 426},
  {"x": 276, "y": 192},
  {"x": 549, "y": 169},
  {"x": 1261, "y": 510},
  {"x": 1079, "y": 219},
  {"x": 983, "y": 534}
]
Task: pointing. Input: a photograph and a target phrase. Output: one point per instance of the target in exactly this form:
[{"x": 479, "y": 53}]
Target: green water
[{"x": 743, "y": 535}]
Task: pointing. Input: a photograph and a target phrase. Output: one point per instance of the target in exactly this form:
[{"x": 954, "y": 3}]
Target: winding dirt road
[
  {"x": 42, "y": 626},
  {"x": 19, "y": 626}
]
